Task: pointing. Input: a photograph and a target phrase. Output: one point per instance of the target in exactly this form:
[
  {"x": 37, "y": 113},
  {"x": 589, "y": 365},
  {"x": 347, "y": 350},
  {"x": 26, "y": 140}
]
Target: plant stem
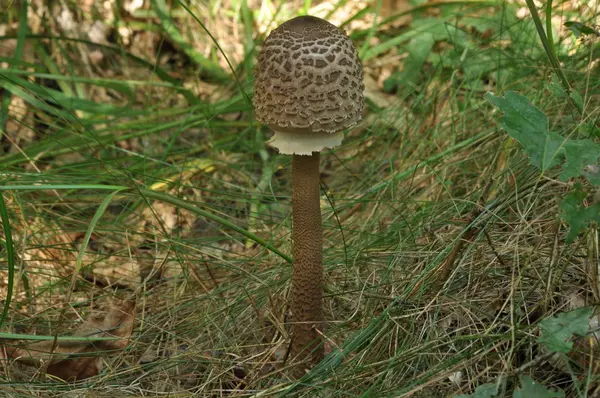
[
  {"x": 307, "y": 279},
  {"x": 548, "y": 43}
]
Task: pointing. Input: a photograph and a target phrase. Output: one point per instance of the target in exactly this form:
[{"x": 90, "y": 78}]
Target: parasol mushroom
[{"x": 308, "y": 90}]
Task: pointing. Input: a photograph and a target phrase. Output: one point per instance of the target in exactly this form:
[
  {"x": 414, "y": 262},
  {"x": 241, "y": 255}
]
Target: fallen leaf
[{"x": 76, "y": 360}]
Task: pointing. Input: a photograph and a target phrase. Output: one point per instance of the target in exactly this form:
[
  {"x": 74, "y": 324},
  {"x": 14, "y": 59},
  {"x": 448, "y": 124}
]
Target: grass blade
[
  {"x": 10, "y": 257},
  {"x": 210, "y": 68}
]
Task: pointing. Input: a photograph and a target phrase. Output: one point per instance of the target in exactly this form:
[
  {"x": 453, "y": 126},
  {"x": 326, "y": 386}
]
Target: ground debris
[{"x": 73, "y": 360}]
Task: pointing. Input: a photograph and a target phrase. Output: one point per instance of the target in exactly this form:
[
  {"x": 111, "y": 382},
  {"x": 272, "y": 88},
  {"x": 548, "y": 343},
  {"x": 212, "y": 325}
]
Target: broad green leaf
[
  {"x": 580, "y": 154},
  {"x": 487, "y": 390},
  {"x": 532, "y": 389},
  {"x": 592, "y": 173},
  {"x": 528, "y": 125},
  {"x": 558, "y": 330},
  {"x": 419, "y": 49},
  {"x": 576, "y": 214}
]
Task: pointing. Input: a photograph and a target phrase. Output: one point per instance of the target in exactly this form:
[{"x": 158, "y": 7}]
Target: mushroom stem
[{"x": 307, "y": 279}]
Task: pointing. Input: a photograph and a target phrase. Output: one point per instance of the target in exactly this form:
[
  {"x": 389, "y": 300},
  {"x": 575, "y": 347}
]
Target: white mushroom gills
[{"x": 304, "y": 143}]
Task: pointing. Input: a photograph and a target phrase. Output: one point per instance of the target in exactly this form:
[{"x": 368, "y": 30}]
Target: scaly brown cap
[{"x": 308, "y": 86}]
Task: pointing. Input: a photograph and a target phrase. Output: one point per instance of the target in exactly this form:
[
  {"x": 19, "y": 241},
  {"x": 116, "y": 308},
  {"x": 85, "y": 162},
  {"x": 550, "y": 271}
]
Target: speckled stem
[{"x": 307, "y": 279}]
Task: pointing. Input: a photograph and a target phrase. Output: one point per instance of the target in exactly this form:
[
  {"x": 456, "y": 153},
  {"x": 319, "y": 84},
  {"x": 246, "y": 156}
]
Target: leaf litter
[
  {"x": 474, "y": 301},
  {"x": 76, "y": 360}
]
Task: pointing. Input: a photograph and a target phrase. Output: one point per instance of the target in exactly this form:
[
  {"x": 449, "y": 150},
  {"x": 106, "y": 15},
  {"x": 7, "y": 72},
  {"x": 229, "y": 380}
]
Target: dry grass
[{"x": 443, "y": 246}]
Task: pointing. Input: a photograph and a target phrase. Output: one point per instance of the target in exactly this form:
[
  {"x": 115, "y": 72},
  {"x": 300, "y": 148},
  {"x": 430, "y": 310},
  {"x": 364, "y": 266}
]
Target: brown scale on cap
[{"x": 309, "y": 80}]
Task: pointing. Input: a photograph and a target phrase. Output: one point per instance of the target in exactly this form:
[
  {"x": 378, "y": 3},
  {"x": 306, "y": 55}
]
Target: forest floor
[{"x": 146, "y": 224}]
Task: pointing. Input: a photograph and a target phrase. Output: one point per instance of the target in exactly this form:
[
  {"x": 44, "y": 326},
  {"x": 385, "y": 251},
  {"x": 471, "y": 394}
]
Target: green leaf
[
  {"x": 579, "y": 29},
  {"x": 580, "y": 154},
  {"x": 10, "y": 257},
  {"x": 576, "y": 97},
  {"x": 589, "y": 129},
  {"x": 419, "y": 49},
  {"x": 592, "y": 173},
  {"x": 391, "y": 83},
  {"x": 558, "y": 330},
  {"x": 532, "y": 389},
  {"x": 483, "y": 25},
  {"x": 576, "y": 214},
  {"x": 556, "y": 88},
  {"x": 487, "y": 390},
  {"x": 528, "y": 125},
  {"x": 171, "y": 29}
]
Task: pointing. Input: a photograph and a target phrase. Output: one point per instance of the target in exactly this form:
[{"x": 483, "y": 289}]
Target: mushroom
[{"x": 308, "y": 90}]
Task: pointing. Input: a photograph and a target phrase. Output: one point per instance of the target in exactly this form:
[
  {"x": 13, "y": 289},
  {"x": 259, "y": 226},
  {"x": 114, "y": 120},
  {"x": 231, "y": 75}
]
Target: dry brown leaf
[
  {"x": 68, "y": 360},
  {"x": 115, "y": 271},
  {"x": 164, "y": 216}
]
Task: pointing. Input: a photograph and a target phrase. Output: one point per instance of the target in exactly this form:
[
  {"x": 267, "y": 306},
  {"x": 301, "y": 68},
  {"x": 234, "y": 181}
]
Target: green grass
[{"x": 140, "y": 171}]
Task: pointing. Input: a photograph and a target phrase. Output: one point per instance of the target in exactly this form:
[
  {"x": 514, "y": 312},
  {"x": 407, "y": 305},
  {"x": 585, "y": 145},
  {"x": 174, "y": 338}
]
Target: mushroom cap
[{"x": 308, "y": 85}]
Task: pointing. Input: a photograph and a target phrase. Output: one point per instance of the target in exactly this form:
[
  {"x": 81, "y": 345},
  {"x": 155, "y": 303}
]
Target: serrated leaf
[
  {"x": 532, "y": 389},
  {"x": 487, "y": 390},
  {"x": 576, "y": 214},
  {"x": 528, "y": 125},
  {"x": 558, "y": 330}
]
